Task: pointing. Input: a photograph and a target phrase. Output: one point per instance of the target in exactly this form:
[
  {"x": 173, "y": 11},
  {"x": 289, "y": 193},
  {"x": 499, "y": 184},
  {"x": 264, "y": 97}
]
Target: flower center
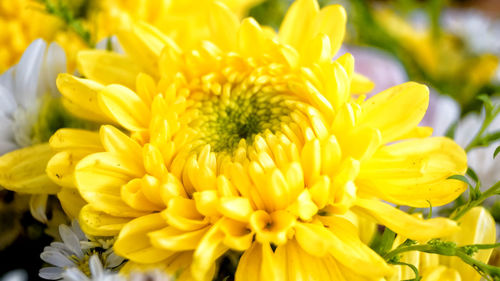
[{"x": 225, "y": 120}]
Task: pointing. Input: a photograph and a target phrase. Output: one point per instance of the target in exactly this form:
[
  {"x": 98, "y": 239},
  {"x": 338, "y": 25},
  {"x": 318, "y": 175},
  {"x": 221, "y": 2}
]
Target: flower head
[
  {"x": 77, "y": 255},
  {"x": 249, "y": 142}
]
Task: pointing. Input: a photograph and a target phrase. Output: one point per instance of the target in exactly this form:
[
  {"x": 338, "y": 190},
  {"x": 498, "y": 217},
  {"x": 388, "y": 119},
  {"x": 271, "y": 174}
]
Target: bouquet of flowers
[{"x": 185, "y": 140}]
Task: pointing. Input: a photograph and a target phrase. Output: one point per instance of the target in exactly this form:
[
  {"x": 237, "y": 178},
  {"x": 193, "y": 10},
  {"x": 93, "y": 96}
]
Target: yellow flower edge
[
  {"x": 251, "y": 142},
  {"x": 477, "y": 226}
]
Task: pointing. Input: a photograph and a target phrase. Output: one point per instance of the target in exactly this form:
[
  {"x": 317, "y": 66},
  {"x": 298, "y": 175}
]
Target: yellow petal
[
  {"x": 182, "y": 213},
  {"x": 271, "y": 228},
  {"x": 352, "y": 253},
  {"x": 361, "y": 84},
  {"x": 224, "y": 26},
  {"x": 173, "y": 239},
  {"x": 23, "y": 170},
  {"x": 71, "y": 202},
  {"x": 237, "y": 208},
  {"x": 132, "y": 194},
  {"x": 477, "y": 226},
  {"x": 442, "y": 273},
  {"x": 404, "y": 223},
  {"x": 125, "y": 107},
  {"x": 107, "y": 67},
  {"x": 315, "y": 239},
  {"x": 61, "y": 167},
  {"x": 331, "y": 20},
  {"x": 208, "y": 251},
  {"x": 38, "y": 206},
  {"x": 97, "y": 223},
  {"x": 65, "y": 139},
  {"x": 396, "y": 111},
  {"x": 415, "y": 172},
  {"x": 134, "y": 244},
  {"x": 114, "y": 140},
  {"x": 299, "y": 265},
  {"x": 144, "y": 44},
  {"x": 99, "y": 178},
  {"x": 295, "y": 25},
  {"x": 80, "y": 97}
]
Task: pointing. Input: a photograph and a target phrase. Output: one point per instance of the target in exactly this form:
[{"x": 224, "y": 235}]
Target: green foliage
[
  {"x": 72, "y": 18},
  {"x": 446, "y": 248}
]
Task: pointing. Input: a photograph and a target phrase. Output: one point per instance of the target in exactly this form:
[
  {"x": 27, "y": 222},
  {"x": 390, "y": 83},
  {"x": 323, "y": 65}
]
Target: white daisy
[
  {"x": 22, "y": 91},
  {"x": 77, "y": 252}
]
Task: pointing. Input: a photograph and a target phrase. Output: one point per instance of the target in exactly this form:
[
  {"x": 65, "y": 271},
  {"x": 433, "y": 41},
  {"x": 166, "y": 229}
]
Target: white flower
[
  {"x": 77, "y": 252},
  {"x": 479, "y": 32},
  {"x": 22, "y": 89}
]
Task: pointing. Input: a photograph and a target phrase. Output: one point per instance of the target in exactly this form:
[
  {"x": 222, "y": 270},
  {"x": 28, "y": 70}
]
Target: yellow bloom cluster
[
  {"x": 243, "y": 139},
  {"x": 20, "y": 22}
]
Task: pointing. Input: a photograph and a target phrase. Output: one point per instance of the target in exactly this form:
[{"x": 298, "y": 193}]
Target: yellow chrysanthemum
[
  {"x": 20, "y": 24},
  {"x": 184, "y": 21},
  {"x": 477, "y": 226},
  {"x": 250, "y": 142}
]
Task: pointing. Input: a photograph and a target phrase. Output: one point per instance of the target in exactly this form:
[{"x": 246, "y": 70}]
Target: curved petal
[
  {"x": 108, "y": 67},
  {"x": 125, "y": 107},
  {"x": 223, "y": 25},
  {"x": 353, "y": 254},
  {"x": 80, "y": 97},
  {"x": 23, "y": 170},
  {"x": 477, "y": 226},
  {"x": 133, "y": 241},
  {"x": 396, "y": 110},
  {"x": 404, "y": 223},
  {"x": 97, "y": 223},
  {"x": 415, "y": 172}
]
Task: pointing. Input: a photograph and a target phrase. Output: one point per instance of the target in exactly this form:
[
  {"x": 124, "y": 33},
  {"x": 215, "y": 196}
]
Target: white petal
[
  {"x": 75, "y": 226},
  {"x": 8, "y": 104},
  {"x": 56, "y": 258},
  {"x": 27, "y": 73},
  {"x": 74, "y": 274},
  {"x": 95, "y": 266},
  {"x": 38, "y": 206},
  {"x": 51, "y": 273},
  {"x": 70, "y": 240},
  {"x": 7, "y": 79},
  {"x": 54, "y": 63},
  {"x": 113, "y": 261}
]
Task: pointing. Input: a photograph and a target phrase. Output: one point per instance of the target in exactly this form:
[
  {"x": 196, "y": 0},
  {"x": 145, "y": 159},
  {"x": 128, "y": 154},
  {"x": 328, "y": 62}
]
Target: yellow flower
[
  {"x": 477, "y": 226},
  {"x": 250, "y": 142},
  {"x": 184, "y": 21},
  {"x": 20, "y": 24}
]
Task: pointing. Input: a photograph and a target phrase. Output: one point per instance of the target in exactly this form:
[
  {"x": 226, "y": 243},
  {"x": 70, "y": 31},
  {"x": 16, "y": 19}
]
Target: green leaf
[
  {"x": 486, "y": 101},
  {"x": 497, "y": 150},
  {"x": 384, "y": 244},
  {"x": 460, "y": 178}
]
